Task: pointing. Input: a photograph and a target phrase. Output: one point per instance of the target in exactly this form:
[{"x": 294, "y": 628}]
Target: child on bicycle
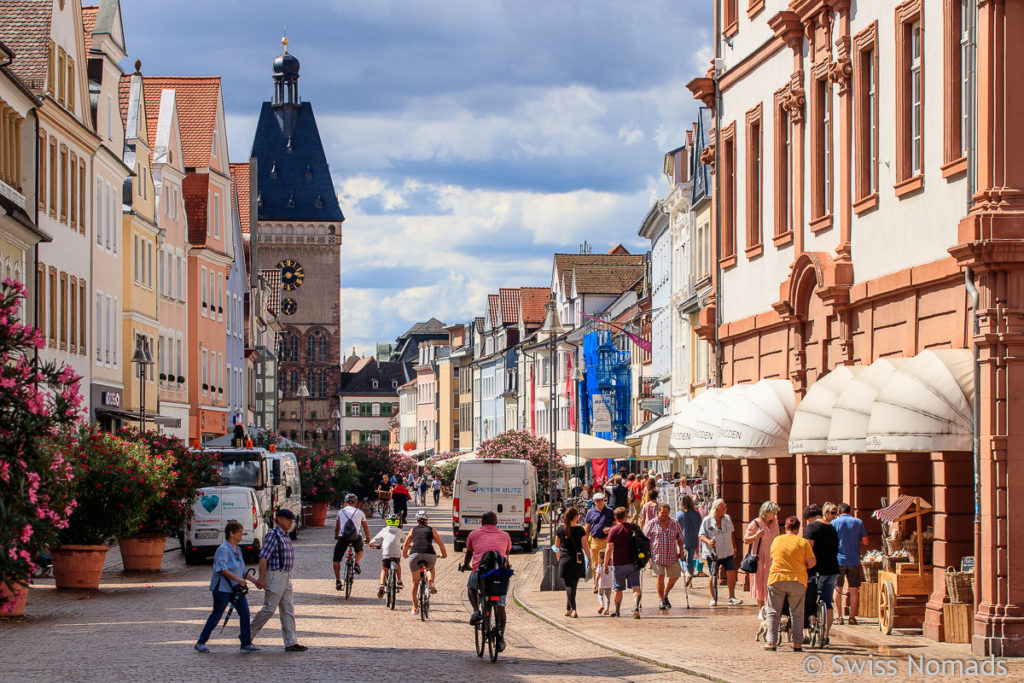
[
  {"x": 389, "y": 541},
  {"x": 605, "y": 583}
]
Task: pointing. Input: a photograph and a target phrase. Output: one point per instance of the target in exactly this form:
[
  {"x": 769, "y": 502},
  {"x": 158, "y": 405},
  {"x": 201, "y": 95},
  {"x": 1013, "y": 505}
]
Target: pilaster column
[{"x": 991, "y": 243}]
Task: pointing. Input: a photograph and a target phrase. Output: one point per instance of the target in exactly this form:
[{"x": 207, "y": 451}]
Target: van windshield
[{"x": 235, "y": 472}]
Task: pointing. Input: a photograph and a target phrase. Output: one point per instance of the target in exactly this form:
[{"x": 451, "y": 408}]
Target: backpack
[
  {"x": 493, "y": 573},
  {"x": 349, "y": 532},
  {"x": 641, "y": 546}
]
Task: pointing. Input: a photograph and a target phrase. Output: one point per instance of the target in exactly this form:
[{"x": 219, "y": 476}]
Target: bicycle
[
  {"x": 819, "y": 621},
  {"x": 350, "y": 570},
  {"x": 391, "y": 584},
  {"x": 423, "y": 591},
  {"x": 486, "y": 635}
]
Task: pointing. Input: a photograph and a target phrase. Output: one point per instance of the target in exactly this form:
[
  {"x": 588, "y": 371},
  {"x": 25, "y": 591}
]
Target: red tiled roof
[
  {"x": 600, "y": 273},
  {"x": 509, "y": 305},
  {"x": 494, "y": 306},
  {"x": 25, "y": 29},
  {"x": 88, "y": 22},
  {"x": 195, "y": 189},
  {"x": 272, "y": 276},
  {"x": 197, "y": 98},
  {"x": 533, "y": 300},
  {"x": 240, "y": 179},
  {"x": 123, "y": 93}
]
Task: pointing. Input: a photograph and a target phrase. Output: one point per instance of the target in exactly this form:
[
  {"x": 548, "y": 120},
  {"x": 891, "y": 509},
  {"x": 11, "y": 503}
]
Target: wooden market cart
[{"x": 903, "y": 592}]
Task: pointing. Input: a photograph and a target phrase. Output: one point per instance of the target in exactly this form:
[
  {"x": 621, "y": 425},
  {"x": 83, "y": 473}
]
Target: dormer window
[
  {"x": 375, "y": 384},
  {"x": 394, "y": 384}
]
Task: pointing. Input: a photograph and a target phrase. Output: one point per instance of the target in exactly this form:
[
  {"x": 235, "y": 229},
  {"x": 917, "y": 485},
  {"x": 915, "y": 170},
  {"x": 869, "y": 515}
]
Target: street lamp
[
  {"x": 302, "y": 394},
  {"x": 553, "y": 329},
  {"x": 337, "y": 416},
  {"x": 142, "y": 358}
]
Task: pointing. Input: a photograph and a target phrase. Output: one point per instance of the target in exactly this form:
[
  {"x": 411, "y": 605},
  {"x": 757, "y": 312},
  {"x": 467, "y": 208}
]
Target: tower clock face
[
  {"x": 288, "y": 306},
  {"x": 292, "y": 274}
]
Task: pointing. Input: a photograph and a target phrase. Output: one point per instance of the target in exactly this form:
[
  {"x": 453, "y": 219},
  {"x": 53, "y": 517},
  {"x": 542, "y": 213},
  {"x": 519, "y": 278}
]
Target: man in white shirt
[{"x": 349, "y": 513}]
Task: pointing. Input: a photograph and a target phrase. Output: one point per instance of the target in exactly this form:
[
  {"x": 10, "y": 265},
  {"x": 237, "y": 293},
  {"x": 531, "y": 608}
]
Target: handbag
[{"x": 750, "y": 560}]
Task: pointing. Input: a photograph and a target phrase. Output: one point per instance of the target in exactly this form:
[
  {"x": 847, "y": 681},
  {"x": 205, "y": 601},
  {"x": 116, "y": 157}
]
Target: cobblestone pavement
[
  {"x": 142, "y": 627},
  {"x": 718, "y": 642}
]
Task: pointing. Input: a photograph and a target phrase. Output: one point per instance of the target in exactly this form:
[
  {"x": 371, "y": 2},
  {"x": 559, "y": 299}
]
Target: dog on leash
[{"x": 762, "y": 625}]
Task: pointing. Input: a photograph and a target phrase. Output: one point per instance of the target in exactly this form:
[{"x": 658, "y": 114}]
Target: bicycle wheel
[
  {"x": 822, "y": 623},
  {"x": 492, "y": 642},
  {"x": 424, "y": 597},
  {"x": 481, "y": 632},
  {"x": 392, "y": 588},
  {"x": 349, "y": 575}
]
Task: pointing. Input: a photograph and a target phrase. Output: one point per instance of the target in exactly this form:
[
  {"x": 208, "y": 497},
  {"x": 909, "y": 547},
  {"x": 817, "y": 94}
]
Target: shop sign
[{"x": 111, "y": 399}]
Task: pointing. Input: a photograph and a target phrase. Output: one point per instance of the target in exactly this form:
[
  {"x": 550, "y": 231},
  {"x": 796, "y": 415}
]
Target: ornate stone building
[{"x": 299, "y": 234}]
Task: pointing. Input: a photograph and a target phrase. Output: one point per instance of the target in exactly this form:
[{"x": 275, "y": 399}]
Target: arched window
[
  {"x": 294, "y": 347},
  {"x": 295, "y": 382},
  {"x": 310, "y": 348},
  {"x": 323, "y": 348}
]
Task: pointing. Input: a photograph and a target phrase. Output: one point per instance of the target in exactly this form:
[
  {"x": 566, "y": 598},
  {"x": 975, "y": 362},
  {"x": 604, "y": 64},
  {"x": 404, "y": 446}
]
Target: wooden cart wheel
[{"x": 886, "y": 607}]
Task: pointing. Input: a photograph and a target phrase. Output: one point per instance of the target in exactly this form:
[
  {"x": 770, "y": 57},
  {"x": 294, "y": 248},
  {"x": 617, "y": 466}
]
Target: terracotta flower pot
[
  {"x": 319, "y": 514},
  {"x": 142, "y": 552},
  {"x": 19, "y": 594},
  {"x": 78, "y": 566}
]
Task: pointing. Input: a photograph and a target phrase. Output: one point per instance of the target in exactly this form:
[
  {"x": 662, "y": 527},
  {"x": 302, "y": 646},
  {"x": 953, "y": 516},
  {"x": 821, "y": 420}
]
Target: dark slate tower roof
[{"x": 294, "y": 180}]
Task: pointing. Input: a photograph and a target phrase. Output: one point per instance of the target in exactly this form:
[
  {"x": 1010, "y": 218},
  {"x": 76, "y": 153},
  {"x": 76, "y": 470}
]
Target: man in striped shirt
[{"x": 275, "y": 578}]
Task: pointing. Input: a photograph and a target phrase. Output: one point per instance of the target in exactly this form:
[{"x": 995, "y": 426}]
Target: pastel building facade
[
  {"x": 877, "y": 218},
  {"x": 105, "y": 49}
]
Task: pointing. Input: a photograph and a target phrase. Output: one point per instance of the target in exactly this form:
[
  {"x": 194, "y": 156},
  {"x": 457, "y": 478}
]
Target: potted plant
[
  {"x": 35, "y": 481},
  {"x": 115, "y": 483},
  {"x": 318, "y": 470},
  {"x": 181, "y": 379},
  {"x": 193, "y": 469}
]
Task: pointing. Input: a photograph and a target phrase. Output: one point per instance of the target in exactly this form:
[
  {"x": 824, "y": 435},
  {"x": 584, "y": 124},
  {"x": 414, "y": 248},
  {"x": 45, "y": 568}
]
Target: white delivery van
[
  {"x": 506, "y": 487},
  {"x": 284, "y": 475},
  {"x": 215, "y": 507}
]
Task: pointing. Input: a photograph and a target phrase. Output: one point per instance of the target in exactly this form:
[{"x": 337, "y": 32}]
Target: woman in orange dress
[{"x": 760, "y": 533}]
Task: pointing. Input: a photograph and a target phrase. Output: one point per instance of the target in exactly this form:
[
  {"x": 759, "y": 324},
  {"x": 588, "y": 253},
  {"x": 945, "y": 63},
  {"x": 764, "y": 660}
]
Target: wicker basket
[
  {"x": 871, "y": 570},
  {"x": 893, "y": 544},
  {"x": 891, "y": 562},
  {"x": 959, "y": 586}
]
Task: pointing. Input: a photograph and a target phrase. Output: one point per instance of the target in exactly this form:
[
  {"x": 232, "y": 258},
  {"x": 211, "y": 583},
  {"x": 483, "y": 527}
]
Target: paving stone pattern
[{"x": 142, "y": 628}]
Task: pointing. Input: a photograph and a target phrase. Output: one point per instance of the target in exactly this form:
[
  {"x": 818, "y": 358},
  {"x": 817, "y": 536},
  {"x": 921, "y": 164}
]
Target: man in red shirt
[
  {"x": 619, "y": 556},
  {"x": 487, "y": 537}
]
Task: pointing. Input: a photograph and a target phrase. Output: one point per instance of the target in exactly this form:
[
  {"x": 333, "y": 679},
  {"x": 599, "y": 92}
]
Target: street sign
[{"x": 653, "y": 405}]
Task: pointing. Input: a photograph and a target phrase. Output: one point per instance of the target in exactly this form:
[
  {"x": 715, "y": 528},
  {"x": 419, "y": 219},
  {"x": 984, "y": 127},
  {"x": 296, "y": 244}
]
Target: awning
[
  {"x": 848, "y": 429},
  {"x": 121, "y": 414},
  {"x": 705, "y": 438},
  {"x": 654, "y": 437},
  {"x": 591, "y": 447},
  {"x": 809, "y": 433},
  {"x": 757, "y": 422},
  {"x": 684, "y": 425},
  {"x": 926, "y": 405}
]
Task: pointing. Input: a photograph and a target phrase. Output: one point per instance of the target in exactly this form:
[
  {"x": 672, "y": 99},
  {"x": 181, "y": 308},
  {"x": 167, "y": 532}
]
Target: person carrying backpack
[
  {"x": 628, "y": 552},
  {"x": 346, "y": 530},
  {"x": 487, "y": 547}
]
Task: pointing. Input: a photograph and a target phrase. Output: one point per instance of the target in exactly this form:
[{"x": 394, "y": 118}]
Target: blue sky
[{"x": 468, "y": 141}]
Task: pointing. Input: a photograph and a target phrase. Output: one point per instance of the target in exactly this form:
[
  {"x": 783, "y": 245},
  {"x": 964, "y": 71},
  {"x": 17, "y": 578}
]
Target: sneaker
[
  {"x": 337, "y": 585},
  {"x": 202, "y": 649},
  {"x": 296, "y": 648},
  {"x": 636, "y": 614},
  {"x": 380, "y": 591},
  {"x": 838, "y": 621},
  {"x": 735, "y": 601},
  {"x": 668, "y": 605},
  {"x": 414, "y": 611},
  {"x": 852, "y": 621},
  {"x": 433, "y": 589},
  {"x": 501, "y": 644},
  {"x": 661, "y": 605},
  {"x": 400, "y": 585},
  {"x": 357, "y": 569},
  {"x": 249, "y": 648},
  {"x": 713, "y": 602},
  {"x": 476, "y": 618}
]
